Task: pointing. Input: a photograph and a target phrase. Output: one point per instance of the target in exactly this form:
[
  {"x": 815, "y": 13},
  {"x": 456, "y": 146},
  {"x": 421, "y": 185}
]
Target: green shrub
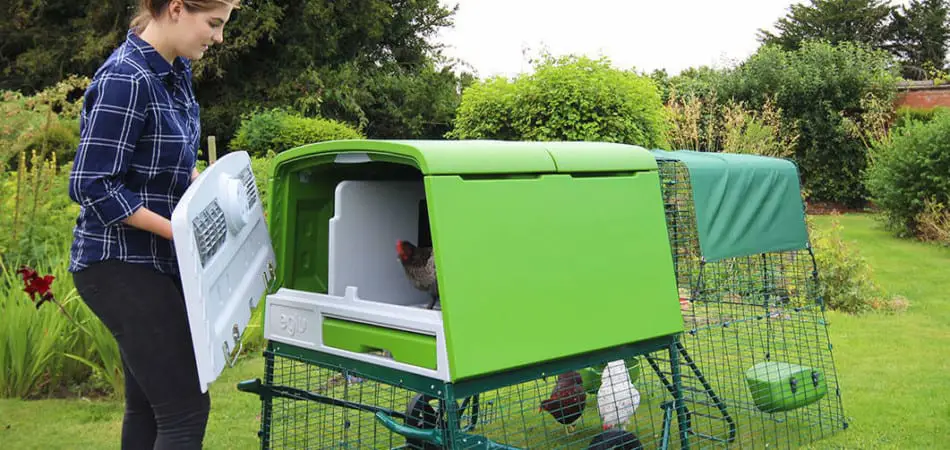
[
  {"x": 51, "y": 115},
  {"x": 696, "y": 110},
  {"x": 910, "y": 170},
  {"x": 16, "y": 119},
  {"x": 907, "y": 114},
  {"x": 569, "y": 98},
  {"x": 278, "y": 130},
  {"x": 61, "y": 138},
  {"x": 703, "y": 125},
  {"x": 487, "y": 112},
  {"x": 933, "y": 224},
  {"x": 845, "y": 278},
  {"x": 820, "y": 89},
  {"x": 36, "y": 213}
]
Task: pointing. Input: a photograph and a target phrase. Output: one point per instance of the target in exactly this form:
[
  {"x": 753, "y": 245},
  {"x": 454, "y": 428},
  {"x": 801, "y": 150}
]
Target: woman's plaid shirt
[{"x": 139, "y": 137}]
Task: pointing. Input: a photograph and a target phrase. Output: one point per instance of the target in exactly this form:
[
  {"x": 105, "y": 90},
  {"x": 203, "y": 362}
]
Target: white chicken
[{"x": 617, "y": 399}]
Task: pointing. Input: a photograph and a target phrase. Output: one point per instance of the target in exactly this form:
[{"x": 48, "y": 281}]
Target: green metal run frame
[
  {"x": 454, "y": 434},
  {"x": 672, "y": 386}
]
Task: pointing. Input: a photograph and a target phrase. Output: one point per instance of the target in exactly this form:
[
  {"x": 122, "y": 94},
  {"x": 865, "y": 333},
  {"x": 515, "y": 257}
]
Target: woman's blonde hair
[{"x": 149, "y": 9}]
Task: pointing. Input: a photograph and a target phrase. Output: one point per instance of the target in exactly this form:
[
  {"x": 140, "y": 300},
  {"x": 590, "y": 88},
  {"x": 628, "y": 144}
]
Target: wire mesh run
[
  {"x": 570, "y": 410},
  {"x": 318, "y": 407},
  {"x": 756, "y": 361}
]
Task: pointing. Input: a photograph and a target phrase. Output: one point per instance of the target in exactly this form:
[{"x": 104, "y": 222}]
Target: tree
[
  {"x": 920, "y": 31},
  {"x": 370, "y": 63},
  {"x": 862, "y": 21},
  {"x": 43, "y": 41}
]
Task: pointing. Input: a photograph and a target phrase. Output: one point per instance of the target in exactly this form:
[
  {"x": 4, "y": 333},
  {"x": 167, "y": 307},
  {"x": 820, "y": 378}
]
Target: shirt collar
[{"x": 165, "y": 71}]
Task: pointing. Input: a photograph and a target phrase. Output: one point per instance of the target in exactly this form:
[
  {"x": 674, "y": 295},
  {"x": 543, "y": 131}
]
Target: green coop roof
[
  {"x": 438, "y": 157},
  {"x": 745, "y": 204}
]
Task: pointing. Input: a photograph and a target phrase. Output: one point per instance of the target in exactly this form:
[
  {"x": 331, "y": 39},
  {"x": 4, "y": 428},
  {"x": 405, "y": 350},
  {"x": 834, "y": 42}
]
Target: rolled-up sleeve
[{"x": 113, "y": 119}]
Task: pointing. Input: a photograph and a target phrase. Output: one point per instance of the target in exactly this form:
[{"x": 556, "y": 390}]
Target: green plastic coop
[
  {"x": 552, "y": 257},
  {"x": 523, "y": 233}
]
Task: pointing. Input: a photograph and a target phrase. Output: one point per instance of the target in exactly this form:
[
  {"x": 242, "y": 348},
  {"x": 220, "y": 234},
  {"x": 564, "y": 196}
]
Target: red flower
[
  {"x": 33, "y": 285},
  {"x": 27, "y": 273}
]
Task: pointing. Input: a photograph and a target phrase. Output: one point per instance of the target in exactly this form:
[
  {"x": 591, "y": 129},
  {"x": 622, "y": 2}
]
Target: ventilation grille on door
[
  {"x": 248, "y": 178},
  {"x": 210, "y": 231}
]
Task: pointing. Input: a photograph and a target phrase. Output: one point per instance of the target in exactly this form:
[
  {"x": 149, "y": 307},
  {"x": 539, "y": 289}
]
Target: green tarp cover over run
[{"x": 745, "y": 204}]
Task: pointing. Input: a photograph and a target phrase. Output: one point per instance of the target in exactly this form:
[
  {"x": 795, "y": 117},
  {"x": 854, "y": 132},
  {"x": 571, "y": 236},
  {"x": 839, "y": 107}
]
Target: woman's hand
[{"x": 145, "y": 219}]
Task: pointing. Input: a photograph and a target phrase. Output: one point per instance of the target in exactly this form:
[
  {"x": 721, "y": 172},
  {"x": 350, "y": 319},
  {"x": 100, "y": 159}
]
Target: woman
[{"x": 139, "y": 137}]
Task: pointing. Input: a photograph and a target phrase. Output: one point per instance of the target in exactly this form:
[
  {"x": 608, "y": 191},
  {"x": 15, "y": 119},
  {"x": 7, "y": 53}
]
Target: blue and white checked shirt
[{"x": 139, "y": 138}]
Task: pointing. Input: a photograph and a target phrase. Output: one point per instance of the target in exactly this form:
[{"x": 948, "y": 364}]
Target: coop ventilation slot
[
  {"x": 210, "y": 230},
  {"x": 248, "y": 179}
]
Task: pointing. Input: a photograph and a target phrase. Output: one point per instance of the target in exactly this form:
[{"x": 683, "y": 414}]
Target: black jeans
[{"x": 145, "y": 311}]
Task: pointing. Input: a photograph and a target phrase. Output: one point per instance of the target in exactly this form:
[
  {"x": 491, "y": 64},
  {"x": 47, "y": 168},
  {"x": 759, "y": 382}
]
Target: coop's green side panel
[{"x": 593, "y": 269}]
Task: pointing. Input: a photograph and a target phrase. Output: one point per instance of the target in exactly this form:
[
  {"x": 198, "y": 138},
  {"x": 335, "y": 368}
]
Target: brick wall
[{"x": 923, "y": 94}]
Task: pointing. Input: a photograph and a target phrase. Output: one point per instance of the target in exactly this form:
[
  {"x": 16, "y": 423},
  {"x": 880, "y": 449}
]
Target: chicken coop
[{"x": 592, "y": 295}]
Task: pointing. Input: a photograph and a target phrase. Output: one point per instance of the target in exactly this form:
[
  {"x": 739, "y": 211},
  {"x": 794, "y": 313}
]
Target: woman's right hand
[{"x": 145, "y": 219}]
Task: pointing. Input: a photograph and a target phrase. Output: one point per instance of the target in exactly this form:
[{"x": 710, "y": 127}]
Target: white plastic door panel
[{"x": 225, "y": 257}]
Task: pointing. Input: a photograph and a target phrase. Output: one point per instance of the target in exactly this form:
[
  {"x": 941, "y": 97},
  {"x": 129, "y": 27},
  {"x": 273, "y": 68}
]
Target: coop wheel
[
  {"x": 473, "y": 416},
  {"x": 421, "y": 414},
  {"x": 424, "y": 412}
]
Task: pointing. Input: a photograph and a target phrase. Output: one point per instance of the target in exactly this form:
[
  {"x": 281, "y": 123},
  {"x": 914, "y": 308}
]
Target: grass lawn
[
  {"x": 894, "y": 370},
  {"x": 895, "y": 378},
  {"x": 49, "y": 424}
]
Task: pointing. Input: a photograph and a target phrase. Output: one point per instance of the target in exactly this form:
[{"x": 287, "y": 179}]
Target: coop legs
[
  {"x": 672, "y": 387},
  {"x": 681, "y": 419},
  {"x": 667, "y": 423}
]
